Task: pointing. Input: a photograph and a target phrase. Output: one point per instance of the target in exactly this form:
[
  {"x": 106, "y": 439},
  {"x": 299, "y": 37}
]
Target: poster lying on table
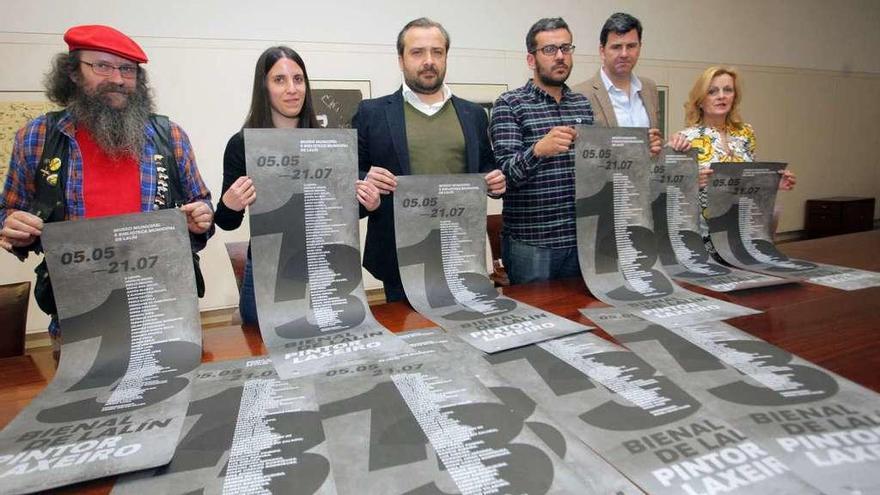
[
  {"x": 821, "y": 425},
  {"x": 126, "y": 298},
  {"x": 617, "y": 248},
  {"x": 676, "y": 211},
  {"x": 249, "y": 432},
  {"x": 304, "y": 242},
  {"x": 440, "y": 228},
  {"x": 642, "y": 422},
  {"x": 741, "y": 198},
  {"x": 426, "y": 423}
]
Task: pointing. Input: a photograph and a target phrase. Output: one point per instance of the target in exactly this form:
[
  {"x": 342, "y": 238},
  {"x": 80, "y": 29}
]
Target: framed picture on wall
[
  {"x": 481, "y": 94},
  {"x": 16, "y": 109},
  {"x": 337, "y": 101},
  {"x": 662, "y": 114}
]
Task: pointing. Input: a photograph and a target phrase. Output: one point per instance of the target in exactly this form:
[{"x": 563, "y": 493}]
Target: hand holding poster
[
  {"x": 741, "y": 198},
  {"x": 304, "y": 239},
  {"x": 676, "y": 212},
  {"x": 617, "y": 248},
  {"x": 440, "y": 225},
  {"x": 127, "y": 306}
]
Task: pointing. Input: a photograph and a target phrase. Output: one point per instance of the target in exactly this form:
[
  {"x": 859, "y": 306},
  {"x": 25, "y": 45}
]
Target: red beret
[{"x": 104, "y": 39}]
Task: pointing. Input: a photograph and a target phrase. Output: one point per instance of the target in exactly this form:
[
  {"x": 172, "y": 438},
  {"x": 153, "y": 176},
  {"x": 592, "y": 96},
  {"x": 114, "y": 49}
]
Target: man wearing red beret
[{"x": 105, "y": 153}]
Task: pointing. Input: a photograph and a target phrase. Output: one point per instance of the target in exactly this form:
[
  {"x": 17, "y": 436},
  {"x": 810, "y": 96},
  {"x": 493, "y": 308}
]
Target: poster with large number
[
  {"x": 676, "y": 211},
  {"x": 440, "y": 228},
  {"x": 741, "y": 198},
  {"x": 642, "y": 422},
  {"x": 248, "y": 432},
  {"x": 426, "y": 423},
  {"x": 304, "y": 241},
  {"x": 127, "y": 305},
  {"x": 822, "y": 426},
  {"x": 617, "y": 248}
]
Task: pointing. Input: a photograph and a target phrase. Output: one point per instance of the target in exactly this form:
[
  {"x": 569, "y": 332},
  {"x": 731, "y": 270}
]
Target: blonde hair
[{"x": 693, "y": 112}]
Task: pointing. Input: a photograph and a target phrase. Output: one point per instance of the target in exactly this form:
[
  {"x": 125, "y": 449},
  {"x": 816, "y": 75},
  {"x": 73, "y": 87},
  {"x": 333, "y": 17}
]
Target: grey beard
[{"x": 118, "y": 132}]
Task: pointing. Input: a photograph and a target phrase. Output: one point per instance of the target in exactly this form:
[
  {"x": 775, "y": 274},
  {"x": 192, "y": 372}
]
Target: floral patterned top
[{"x": 707, "y": 140}]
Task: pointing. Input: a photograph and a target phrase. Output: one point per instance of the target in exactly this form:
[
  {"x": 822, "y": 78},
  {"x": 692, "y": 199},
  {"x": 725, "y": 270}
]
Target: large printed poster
[
  {"x": 617, "y": 248},
  {"x": 304, "y": 241},
  {"x": 427, "y": 423},
  {"x": 741, "y": 198},
  {"x": 440, "y": 225},
  {"x": 822, "y": 426},
  {"x": 127, "y": 305},
  {"x": 248, "y": 431},
  {"x": 676, "y": 211},
  {"x": 645, "y": 424}
]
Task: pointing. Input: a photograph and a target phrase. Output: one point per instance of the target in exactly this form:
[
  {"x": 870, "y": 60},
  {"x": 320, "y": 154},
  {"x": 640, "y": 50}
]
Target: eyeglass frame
[
  {"x": 131, "y": 70},
  {"x": 565, "y": 48}
]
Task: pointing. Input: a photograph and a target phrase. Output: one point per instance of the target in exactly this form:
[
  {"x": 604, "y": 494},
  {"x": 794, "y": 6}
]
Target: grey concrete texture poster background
[
  {"x": 440, "y": 228},
  {"x": 821, "y": 425},
  {"x": 617, "y": 248},
  {"x": 247, "y": 431},
  {"x": 125, "y": 292},
  {"x": 676, "y": 212},
  {"x": 426, "y": 423},
  {"x": 741, "y": 198},
  {"x": 306, "y": 258},
  {"x": 639, "y": 420}
]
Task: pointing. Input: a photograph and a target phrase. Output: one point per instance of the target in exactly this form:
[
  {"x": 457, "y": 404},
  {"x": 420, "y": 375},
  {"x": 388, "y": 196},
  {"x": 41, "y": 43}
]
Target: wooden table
[{"x": 835, "y": 329}]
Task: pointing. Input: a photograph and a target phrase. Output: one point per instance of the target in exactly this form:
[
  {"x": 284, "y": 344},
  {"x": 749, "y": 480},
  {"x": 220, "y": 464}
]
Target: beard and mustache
[
  {"x": 415, "y": 84},
  {"x": 545, "y": 74},
  {"x": 119, "y": 132}
]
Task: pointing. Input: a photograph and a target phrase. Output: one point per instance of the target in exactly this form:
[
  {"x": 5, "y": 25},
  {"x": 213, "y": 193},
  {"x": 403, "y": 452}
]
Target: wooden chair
[
  {"x": 237, "y": 252},
  {"x": 14, "y": 299},
  {"x": 493, "y": 229}
]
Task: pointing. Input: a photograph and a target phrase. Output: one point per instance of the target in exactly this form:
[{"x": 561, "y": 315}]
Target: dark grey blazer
[{"x": 382, "y": 142}]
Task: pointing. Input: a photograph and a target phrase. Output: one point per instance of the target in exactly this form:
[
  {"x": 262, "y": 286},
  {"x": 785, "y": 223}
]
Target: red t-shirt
[{"x": 111, "y": 186}]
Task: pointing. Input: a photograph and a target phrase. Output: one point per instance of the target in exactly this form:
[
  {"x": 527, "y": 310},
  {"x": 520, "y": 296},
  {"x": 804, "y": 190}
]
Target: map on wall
[{"x": 16, "y": 109}]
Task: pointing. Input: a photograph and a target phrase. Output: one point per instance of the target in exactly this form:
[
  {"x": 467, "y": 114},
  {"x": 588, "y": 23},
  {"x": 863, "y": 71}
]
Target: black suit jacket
[{"x": 382, "y": 142}]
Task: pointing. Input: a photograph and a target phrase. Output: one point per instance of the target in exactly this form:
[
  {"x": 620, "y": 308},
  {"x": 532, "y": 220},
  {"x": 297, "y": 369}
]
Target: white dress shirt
[
  {"x": 628, "y": 108},
  {"x": 412, "y": 98}
]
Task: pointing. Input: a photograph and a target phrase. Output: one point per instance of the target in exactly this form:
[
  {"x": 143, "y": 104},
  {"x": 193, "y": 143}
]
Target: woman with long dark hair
[{"x": 281, "y": 98}]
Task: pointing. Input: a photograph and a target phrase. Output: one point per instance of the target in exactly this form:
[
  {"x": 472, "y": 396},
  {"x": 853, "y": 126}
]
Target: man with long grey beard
[{"x": 105, "y": 153}]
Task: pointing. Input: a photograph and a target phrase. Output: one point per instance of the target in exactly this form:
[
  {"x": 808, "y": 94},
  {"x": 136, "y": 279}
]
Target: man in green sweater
[{"x": 421, "y": 128}]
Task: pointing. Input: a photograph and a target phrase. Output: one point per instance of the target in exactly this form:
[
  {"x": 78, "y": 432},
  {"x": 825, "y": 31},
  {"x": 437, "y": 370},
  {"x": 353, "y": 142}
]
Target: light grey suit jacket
[{"x": 603, "y": 110}]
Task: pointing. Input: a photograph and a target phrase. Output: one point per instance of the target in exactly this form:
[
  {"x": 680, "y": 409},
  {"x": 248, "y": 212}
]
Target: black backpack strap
[
  {"x": 169, "y": 187},
  {"x": 48, "y": 201}
]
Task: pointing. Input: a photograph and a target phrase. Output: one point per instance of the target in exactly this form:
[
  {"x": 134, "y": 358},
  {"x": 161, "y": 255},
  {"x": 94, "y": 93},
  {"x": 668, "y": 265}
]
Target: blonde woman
[{"x": 716, "y": 129}]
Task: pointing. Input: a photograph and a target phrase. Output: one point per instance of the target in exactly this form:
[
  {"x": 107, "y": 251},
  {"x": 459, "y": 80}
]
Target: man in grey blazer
[{"x": 618, "y": 97}]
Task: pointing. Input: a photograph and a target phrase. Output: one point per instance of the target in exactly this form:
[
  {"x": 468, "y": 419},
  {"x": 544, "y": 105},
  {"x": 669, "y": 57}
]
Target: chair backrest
[
  {"x": 237, "y": 252},
  {"x": 14, "y": 299},
  {"x": 493, "y": 229}
]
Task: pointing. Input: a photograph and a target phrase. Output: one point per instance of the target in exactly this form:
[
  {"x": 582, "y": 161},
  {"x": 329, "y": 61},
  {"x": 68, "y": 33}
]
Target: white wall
[{"x": 810, "y": 70}]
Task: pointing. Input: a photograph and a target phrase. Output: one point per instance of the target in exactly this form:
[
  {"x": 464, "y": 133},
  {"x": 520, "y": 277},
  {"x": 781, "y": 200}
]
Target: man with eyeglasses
[
  {"x": 533, "y": 137},
  {"x": 617, "y": 96},
  {"x": 104, "y": 154}
]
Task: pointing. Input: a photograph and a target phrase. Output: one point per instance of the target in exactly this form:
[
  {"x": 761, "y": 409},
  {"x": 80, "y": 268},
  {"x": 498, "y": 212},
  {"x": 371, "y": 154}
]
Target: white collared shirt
[
  {"x": 412, "y": 98},
  {"x": 629, "y": 109}
]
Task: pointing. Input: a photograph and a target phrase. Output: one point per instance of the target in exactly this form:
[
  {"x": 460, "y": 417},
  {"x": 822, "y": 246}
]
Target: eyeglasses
[
  {"x": 550, "y": 50},
  {"x": 127, "y": 71}
]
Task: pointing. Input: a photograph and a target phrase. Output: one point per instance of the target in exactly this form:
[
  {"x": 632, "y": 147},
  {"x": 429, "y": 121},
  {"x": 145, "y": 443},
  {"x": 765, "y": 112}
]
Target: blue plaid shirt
[
  {"x": 539, "y": 202},
  {"x": 20, "y": 186}
]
